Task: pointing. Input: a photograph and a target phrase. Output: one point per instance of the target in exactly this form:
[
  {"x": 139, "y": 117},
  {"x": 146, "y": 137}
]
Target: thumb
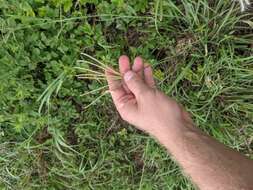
[{"x": 135, "y": 83}]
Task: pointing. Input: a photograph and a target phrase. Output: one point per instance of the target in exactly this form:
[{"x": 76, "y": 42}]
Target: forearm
[{"x": 210, "y": 164}]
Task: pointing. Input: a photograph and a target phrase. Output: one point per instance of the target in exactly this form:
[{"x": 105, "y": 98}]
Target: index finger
[{"x": 115, "y": 85}]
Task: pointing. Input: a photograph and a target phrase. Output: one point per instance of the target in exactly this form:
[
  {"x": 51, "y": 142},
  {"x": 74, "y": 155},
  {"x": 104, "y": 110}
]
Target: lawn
[{"x": 52, "y": 137}]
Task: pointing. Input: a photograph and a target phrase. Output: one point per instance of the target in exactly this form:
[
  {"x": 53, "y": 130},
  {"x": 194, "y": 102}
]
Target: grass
[{"x": 56, "y": 52}]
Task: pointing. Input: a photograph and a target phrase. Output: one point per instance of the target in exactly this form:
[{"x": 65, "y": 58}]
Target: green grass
[{"x": 51, "y": 137}]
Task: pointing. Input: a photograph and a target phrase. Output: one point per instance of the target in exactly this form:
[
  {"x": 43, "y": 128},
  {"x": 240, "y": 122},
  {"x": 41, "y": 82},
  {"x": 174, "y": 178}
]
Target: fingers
[
  {"x": 115, "y": 86},
  {"x": 124, "y": 66},
  {"x": 138, "y": 66},
  {"x": 144, "y": 71},
  {"x": 135, "y": 84},
  {"x": 148, "y": 76},
  {"x": 125, "y": 103},
  {"x": 127, "y": 106},
  {"x": 136, "y": 81}
]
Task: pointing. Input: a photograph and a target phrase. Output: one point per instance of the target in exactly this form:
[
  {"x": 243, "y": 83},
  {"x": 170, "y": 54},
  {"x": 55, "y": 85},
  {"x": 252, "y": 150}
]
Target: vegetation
[{"x": 51, "y": 137}]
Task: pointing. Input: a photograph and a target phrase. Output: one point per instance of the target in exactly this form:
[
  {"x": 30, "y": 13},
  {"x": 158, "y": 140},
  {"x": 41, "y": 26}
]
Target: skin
[{"x": 208, "y": 163}]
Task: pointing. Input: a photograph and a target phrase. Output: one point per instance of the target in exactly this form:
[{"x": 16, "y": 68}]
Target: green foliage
[{"x": 202, "y": 57}]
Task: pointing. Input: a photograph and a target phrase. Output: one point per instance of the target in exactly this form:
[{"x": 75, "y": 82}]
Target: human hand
[{"x": 140, "y": 103}]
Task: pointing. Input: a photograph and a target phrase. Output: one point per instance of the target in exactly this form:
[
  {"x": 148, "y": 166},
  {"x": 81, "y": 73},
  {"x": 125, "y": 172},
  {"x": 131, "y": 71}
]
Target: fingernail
[{"x": 128, "y": 75}]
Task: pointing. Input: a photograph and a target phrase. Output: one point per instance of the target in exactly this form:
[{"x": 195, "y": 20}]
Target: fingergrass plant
[{"x": 97, "y": 74}]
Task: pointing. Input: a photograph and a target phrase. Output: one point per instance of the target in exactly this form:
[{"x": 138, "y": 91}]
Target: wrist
[{"x": 172, "y": 136}]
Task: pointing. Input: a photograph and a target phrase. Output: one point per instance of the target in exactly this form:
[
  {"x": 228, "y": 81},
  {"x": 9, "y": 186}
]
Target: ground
[{"x": 201, "y": 52}]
